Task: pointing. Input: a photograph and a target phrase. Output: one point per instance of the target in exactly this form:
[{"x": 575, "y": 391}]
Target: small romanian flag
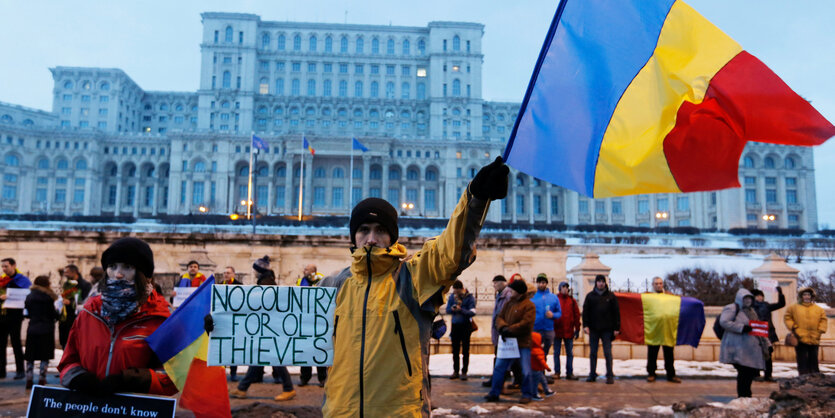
[
  {"x": 182, "y": 346},
  {"x": 661, "y": 319},
  {"x": 306, "y": 145}
]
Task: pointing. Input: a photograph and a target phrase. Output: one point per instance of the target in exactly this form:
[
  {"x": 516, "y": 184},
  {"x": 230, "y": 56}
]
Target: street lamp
[
  {"x": 234, "y": 216},
  {"x": 203, "y": 209},
  {"x": 769, "y": 217},
  {"x": 661, "y": 215},
  {"x": 407, "y": 206}
]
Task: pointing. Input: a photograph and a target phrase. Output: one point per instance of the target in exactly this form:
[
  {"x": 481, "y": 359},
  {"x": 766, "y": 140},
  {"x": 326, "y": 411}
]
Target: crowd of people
[{"x": 374, "y": 371}]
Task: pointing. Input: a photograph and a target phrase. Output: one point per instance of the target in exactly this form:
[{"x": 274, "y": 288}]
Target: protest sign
[
  {"x": 272, "y": 325},
  {"x": 182, "y": 294},
  {"x": 15, "y": 298},
  {"x": 769, "y": 289},
  {"x": 759, "y": 328},
  {"x": 57, "y": 402},
  {"x": 507, "y": 348}
]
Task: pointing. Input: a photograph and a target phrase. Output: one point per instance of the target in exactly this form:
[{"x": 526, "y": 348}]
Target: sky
[{"x": 157, "y": 44}]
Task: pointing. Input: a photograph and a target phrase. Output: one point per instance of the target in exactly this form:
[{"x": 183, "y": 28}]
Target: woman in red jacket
[{"x": 106, "y": 350}]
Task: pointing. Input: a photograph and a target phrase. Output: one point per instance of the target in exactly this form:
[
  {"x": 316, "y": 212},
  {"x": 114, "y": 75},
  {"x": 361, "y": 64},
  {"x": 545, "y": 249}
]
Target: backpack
[{"x": 717, "y": 328}]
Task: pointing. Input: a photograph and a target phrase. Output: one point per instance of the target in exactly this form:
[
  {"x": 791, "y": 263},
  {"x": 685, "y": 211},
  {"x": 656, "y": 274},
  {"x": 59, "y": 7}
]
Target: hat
[
  {"x": 515, "y": 276},
  {"x": 541, "y": 277},
  {"x": 132, "y": 251},
  {"x": 499, "y": 278},
  {"x": 565, "y": 284},
  {"x": 374, "y": 210},
  {"x": 262, "y": 264},
  {"x": 519, "y": 286},
  {"x": 808, "y": 289}
]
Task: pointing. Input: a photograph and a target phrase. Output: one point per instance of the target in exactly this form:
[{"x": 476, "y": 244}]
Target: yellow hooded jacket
[
  {"x": 807, "y": 320},
  {"x": 384, "y": 309}
]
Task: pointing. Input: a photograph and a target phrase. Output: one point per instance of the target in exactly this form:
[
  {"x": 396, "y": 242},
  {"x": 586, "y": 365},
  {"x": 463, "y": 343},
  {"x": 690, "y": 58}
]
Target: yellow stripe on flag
[
  {"x": 660, "y": 318},
  {"x": 178, "y": 366}
]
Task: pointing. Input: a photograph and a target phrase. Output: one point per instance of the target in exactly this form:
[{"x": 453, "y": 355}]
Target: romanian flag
[
  {"x": 660, "y": 319},
  {"x": 306, "y": 146},
  {"x": 182, "y": 346},
  {"x": 647, "y": 96}
]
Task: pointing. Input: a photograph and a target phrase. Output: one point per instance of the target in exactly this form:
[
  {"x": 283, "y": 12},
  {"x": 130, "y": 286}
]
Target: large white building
[{"x": 412, "y": 95}]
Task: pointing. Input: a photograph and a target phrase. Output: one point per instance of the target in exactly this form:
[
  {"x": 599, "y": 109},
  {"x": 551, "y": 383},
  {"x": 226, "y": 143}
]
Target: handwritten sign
[
  {"x": 769, "y": 289},
  {"x": 272, "y": 325},
  {"x": 182, "y": 294},
  {"x": 15, "y": 298},
  {"x": 507, "y": 348},
  {"x": 57, "y": 402}
]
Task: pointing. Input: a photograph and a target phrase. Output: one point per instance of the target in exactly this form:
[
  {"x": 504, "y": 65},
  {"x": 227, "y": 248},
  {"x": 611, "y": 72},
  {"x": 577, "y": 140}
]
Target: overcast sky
[{"x": 156, "y": 43}]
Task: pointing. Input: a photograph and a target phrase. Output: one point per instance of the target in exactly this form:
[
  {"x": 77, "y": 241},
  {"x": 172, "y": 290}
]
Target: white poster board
[
  {"x": 15, "y": 298},
  {"x": 769, "y": 289},
  {"x": 507, "y": 348},
  {"x": 182, "y": 294},
  {"x": 272, "y": 325}
]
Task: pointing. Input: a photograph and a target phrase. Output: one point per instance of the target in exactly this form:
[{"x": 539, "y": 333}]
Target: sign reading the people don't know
[{"x": 272, "y": 325}]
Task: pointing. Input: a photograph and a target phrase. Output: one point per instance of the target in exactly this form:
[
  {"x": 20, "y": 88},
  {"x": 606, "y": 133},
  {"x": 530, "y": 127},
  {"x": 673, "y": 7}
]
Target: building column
[
  {"x": 421, "y": 203},
  {"x": 288, "y": 183},
  {"x": 88, "y": 194},
  {"x": 366, "y": 171},
  {"x": 548, "y": 191},
  {"x": 803, "y": 222},
  {"x": 511, "y": 189},
  {"x": 781, "y": 197},
  {"x": 308, "y": 184},
  {"x": 186, "y": 209},
  {"x": 531, "y": 192},
  {"x": 385, "y": 188},
  {"x": 270, "y": 196},
  {"x": 136, "y": 194},
  {"x": 117, "y": 209},
  {"x": 156, "y": 202}
]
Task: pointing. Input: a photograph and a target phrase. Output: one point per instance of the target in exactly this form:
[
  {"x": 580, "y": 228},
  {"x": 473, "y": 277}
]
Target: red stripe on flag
[
  {"x": 631, "y": 317},
  {"x": 745, "y": 101},
  {"x": 205, "y": 392}
]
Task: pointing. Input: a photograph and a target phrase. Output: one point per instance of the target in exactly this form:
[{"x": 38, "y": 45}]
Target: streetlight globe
[{"x": 243, "y": 202}]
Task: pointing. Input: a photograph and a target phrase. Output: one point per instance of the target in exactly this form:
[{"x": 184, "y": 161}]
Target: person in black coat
[
  {"x": 40, "y": 334},
  {"x": 764, "y": 310},
  {"x": 601, "y": 318}
]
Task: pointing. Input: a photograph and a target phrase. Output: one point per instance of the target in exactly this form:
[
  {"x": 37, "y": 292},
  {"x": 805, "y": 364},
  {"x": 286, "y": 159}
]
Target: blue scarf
[{"x": 118, "y": 298}]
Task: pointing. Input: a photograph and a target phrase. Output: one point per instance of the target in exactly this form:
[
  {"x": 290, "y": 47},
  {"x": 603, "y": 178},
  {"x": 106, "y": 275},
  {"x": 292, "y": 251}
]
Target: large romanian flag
[
  {"x": 660, "y": 319},
  {"x": 182, "y": 346},
  {"x": 647, "y": 96}
]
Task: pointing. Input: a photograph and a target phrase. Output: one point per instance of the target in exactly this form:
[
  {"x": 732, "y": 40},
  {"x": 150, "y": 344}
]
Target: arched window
[
  {"x": 390, "y": 47},
  {"x": 360, "y": 45},
  {"x": 163, "y": 106},
  {"x": 421, "y": 91},
  {"x": 81, "y": 165},
  {"x": 789, "y": 163},
  {"x": 297, "y": 43},
  {"x": 358, "y": 89},
  {"x": 225, "y": 105},
  {"x": 405, "y": 114},
  {"x": 343, "y": 88},
  {"x": 343, "y": 45},
  {"x": 227, "y": 80},
  {"x": 376, "y": 173},
  {"x": 265, "y": 40},
  {"x": 132, "y": 171},
  {"x": 200, "y": 167},
  {"x": 520, "y": 180},
  {"x": 394, "y": 173},
  {"x": 12, "y": 160},
  {"x": 262, "y": 110},
  {"x": 405, "y": 91},
  {"x": 150, "y": 172},
  {"x": 43, "y": 163},
  {"x": 113, "y": 171},
  {"x": 338, "y": 173},
  {"x": 748, "y": 162},
  {"x": 105, "y": 86},
  {"x": 406, "y": 47},
  {"x": 62, "y": 164},
  {"x": 412, "y": 174},
  {"x": 295, "y": 87},
  {"x": 86, "y": 85},
  {"x": 312, "y": 42},
  {"x": 68, "y": 84},
  {"x": 456, "y": 87},
  {"x": 28, "y": 122},
  {"x": 375, "y": 46},
  {"x": 389, "y": 90},
  {"x": 373, "y": 113},
  {"x": 768, "y": 162},
  {"x": 281, "y": 42},
  {"x": 281, "y": 171},
  {"x": 310, "y": 111},
  {"x": 311, "y": 87},
  {"x": 456, "y": 111},
  {"x": 320, "y": 173},
  {"x": 228, "y": 37},
  {"x": 422, "y": 46},
  {"x": 243, "y": 171},
  {"x": 456, "y": 43},
  {"x": 358, "y": 113},
  {"x": 278, "y": 111},
  {"x": 375, "y": 89},
  {"x": 262, "y": 171},
  {"x": 431, "y": 175},
  {"x": 328, "y": 44}
]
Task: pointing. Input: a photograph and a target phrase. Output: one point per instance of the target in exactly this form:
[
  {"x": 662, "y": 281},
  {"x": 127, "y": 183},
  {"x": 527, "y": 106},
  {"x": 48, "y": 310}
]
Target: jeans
[
  {"x": 256, "y": 374},
  {"x": 10, "y": 330},
  {"x": 807, "y": 358},
  {"x": 669, "y": 359},
  {"x": 539, "y": 380},
  {"x": 528, "y": 389},
  {"x": 460, "y": 336},
  {"x": 606, "y": 337},
  {"x": 547, "y": 342},
  {"x": 569, "y": 356},
  {"x": 306, "y": 372},
  {"x": 744, "y": 376}
]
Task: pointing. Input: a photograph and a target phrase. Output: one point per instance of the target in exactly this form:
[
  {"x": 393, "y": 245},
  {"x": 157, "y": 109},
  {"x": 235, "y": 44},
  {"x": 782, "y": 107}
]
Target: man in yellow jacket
[
  {"x": 808, "y": 322},
  {"x": 386, "y": 301}
]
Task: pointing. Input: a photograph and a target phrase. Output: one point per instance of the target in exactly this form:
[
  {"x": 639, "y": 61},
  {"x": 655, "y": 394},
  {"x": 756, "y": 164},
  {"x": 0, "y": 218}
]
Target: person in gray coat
[{"x": 739, "y": 348}]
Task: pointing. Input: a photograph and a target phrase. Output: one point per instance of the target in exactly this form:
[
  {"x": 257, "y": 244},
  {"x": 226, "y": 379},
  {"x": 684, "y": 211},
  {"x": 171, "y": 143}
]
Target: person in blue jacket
[
  {"x": 11, "y": 320},
  {"x": 547, "y": 310},
  {"x": 461, "y": 306}
]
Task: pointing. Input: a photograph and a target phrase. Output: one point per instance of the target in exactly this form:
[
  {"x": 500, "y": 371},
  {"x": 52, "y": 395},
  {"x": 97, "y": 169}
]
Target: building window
[
  {"x": 617, "y": 207},
  {"x": 682, "y": 203},
  {"x": 748, "y": 162},
  {"x": 405, "y": 91},
  {"x": 750, "y": 196},
  {"x": 358, "y": 89},
  {"x": 768, "y": 162},
  {"x": 537, "y": 204},
  {"x": 791, "y": 196},
  {"x": 390, "y": 47},
  {"x": 456, "y": 43},
  {"x": 360, "y": 45},
  {"x": 661, "y": 204},
  {"x": 770, "y": 196},
  {"x": 422, "y": 47},
  {"x": 326, "y": 88},
  {"x": 229, "y": 34},
  {"x": 295, "y": 86},
  {"x": 456, "y": 88},
  {"x": 389, "y": 90},
  {"x": 227, "y": 80},
  {"x": 520, "y": 204},
  {"x": 789, "y": 163},
  {"x": 421, "y": 91},
  {"x": 336, "y": 197},
  {"x": 406, "y": 47},
  {"x": 791, "y": 181},
  {"x": 312, "y": 43},
  {"x": 555, "y": 205},
  {"x": 318, "y": 196},
  {"x": 297, "y": 43},
  {"x": 281, "y": 42},
  {"x": 643, "y": 207},
  {"x": 328, "y": 44},
  {"x": 599, "y": 207},
  {"x": 265, "y": 40},
  {"x": 375, "y": 89},
  {"x": 279, "y": 196},
  {"x": 356, "y": 195},
  {"x": 311, "y": 87},
  {"x": 343, "y": 45},
  {"x": 750, "y": 180},
  {"x": 343, "y": 88}
]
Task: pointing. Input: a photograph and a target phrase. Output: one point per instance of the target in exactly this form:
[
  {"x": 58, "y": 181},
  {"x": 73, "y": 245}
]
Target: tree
[
  {"x": 709, "y": 286},
  {"x": 825, "y": 246},
  {"x": 798, "y": 248}
]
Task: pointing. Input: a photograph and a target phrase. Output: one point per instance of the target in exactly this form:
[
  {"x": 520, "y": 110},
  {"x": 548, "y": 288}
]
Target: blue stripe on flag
[
  {"x": 691, "y": 321},
  {"x": 185, "y": 325},
  {"x": 358, "y": 145}
]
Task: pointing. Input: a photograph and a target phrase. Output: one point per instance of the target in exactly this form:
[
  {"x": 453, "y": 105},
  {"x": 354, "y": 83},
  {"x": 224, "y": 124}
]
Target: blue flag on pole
[
  {"x": 358, "y": 145},
  {"x": 259, "y": 143}
]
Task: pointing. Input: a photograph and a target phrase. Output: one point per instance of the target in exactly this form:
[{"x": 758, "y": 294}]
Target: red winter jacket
[
  {"x": 538, "y": 361},
  {"x": 569, "y": 323},
  {"x": 93, "y": 346}
]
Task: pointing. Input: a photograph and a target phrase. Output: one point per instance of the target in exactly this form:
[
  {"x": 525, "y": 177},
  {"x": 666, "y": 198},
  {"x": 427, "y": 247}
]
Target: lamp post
[
  {"x": 661, "y": 217},
  {"x": 203, "y": 209},
  {"x": 769, "y": 219},
  {"x": 406, "y": 207}
]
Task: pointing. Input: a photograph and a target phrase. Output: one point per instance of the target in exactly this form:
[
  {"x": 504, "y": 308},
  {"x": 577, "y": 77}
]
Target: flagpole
[
  {"x": 351, "y": 179},
  {"x": 249, "y": 181},
  {"x": 254, "y": 178},
  {"x": 301, "y": 181}
]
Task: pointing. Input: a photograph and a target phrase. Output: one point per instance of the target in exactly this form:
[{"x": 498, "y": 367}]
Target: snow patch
[
  {"x": 661, "y": 410},
  {"x": 443, "y": 412},
  {"x": 524, "y": 411},
  {"x": 479, "y": 410}
]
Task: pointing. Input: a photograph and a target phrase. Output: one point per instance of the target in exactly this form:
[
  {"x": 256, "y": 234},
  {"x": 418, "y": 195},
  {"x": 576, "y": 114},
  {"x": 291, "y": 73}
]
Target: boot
[
  {"x": 237, "y": 393},
  {"x": 42, "y": 381},
  {"x": 29, "y": 383},
  {"x": 454, "y": 375},
  {"x": 286, "y": 396}
]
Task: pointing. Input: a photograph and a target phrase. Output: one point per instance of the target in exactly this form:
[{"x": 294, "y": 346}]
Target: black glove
[
  {"x": 505, "y": 333},
  {"x": 779, "y": 290},
  {"x": 577, "y": 334},
  {"x": 128, "y": 380},
  {"x": 490, "y": 183},
  {"x": 746, "y": 329},
  {"x": 85, "y": 382},
  {"x": 208, "y": 324}
]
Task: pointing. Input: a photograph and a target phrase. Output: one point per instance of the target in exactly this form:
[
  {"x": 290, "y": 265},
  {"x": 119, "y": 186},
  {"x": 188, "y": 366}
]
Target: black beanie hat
[
  {"x": 374, "y": 210},
  {"x": 519, "y": 286},
  {"x": 132, "y": 251}
]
